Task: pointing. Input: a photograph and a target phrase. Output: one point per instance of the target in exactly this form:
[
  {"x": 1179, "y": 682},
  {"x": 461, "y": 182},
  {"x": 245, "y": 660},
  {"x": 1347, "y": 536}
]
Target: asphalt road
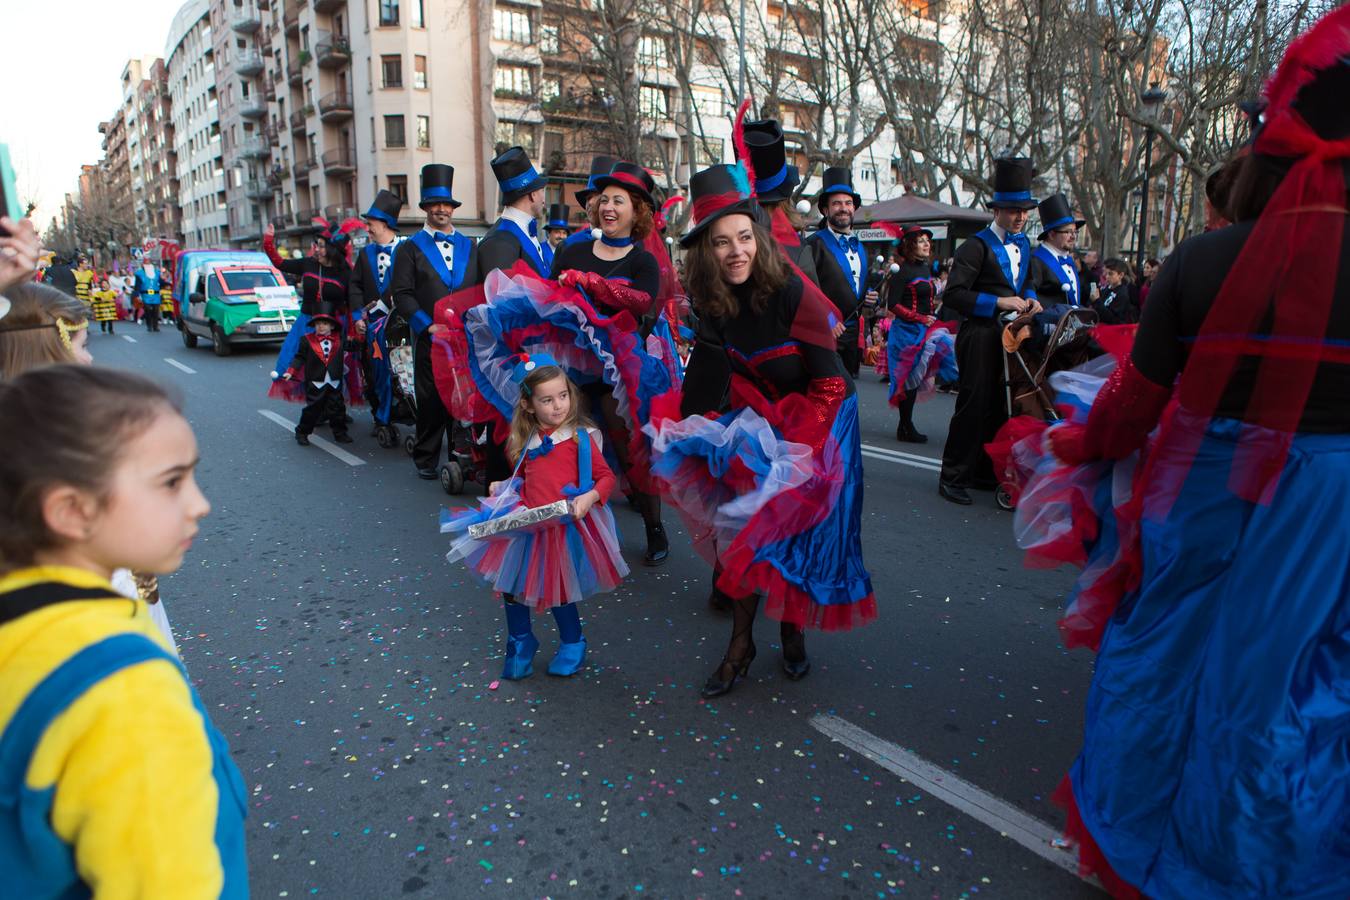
[{"x": 349, "y": 665}]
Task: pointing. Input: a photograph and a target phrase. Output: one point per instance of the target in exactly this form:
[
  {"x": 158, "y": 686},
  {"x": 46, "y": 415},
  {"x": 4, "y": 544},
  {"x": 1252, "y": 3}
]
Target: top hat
[
  {"x": 1056, "y": 213},
  {"x": 325, "y": 311},
  {"x": 836, "y": 180},
  {"x": 557, "y": 216},
  {"x": 715, "y": 192},
  {"x": 774, "y": 178},
  {"x": 633, "y": 178},
  {"x": 1012, "y": 183},
  {"x": 600, "y": 165},
  {"x": 910, "y": 231},
  {"x": 437, "y": 181},
  {"x": 516, "y": 175},
  {"x": 385, "y": 208}
]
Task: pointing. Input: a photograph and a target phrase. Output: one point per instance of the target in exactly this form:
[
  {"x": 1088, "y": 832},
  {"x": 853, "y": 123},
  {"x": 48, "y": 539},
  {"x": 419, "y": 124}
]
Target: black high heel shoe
[
  {"x": 658, "y": 546},
  {"x": 734, "y": 669},
  {"x": 796, "y": 665}
]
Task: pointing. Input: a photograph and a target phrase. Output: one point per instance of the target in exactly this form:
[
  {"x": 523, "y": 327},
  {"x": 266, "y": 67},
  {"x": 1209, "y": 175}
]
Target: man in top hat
[
  {"x": 556, "y": 227},
  {"x": 841, "y": 267},
  {"x": 775, "y": 180},
  {"x": 435, "y": 261},
  {"x": 990, "y": 275},
  {"x": 601, "y": 166},
  {"x": 372, "y": 283},
  {"x": 515, "y": 235},
  {"x": 1054, "y": 271}
]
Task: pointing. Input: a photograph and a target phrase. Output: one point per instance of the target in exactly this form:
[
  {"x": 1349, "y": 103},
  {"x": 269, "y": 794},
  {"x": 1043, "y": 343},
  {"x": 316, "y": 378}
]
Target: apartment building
[
  {"x": 115, "y": 168},
  {"x": 200, "y": 165},
  {"x": 241, "y": 47},
  {"x": 156, "y": 202}
]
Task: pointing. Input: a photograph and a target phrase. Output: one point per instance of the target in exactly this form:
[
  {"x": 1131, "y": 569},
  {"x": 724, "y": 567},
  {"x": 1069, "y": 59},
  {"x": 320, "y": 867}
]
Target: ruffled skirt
[{"x": 916, "y": 356}]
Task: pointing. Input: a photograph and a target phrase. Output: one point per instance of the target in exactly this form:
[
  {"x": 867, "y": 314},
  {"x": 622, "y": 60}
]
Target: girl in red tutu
[{"x": 553, "y": 563}]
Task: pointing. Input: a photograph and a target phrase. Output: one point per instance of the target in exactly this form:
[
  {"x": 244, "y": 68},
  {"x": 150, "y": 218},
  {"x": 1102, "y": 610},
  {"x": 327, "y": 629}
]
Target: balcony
[
  {"x": 328, "y": 6},
  {"x": 290, "y": 19},
  {"x": 248, "y": 63},
  {"x": 246, "y": 20},
  {"x": 294, "y": 72},
  {"x": 298, "y": 120},
  {"x": 335, "y": 107},
  {"x": 253, "y": 108},
  {"x": 333, "y": 51},
  {"x": 283, "y": 222},
  {"x": 338, "y": 214},
  {"x": 339, "y": 161},
  {"x": 269, "y": 89},
  {"x": 255, "y": 147},
  {"x": 302, "y": 169},
  {"x": 304, "y": 220},
  {"x": 257, "y": 189}
]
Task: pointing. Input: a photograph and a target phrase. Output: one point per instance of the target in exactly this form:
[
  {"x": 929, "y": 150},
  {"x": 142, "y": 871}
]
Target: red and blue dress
[
  {"x": 561, "y": 560},
  {"x": 761, "y": 454},
  {"x": 919, "y": 349}
]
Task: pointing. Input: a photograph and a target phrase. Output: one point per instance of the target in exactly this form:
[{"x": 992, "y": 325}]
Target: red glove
[
  {"x": 609, "y": 293},
  {"x": 825, "y": 395},
  {"x": 269, "y": 245},
  {"x": 1125, "y": 411},
  {"x": 910, "y": 315}
]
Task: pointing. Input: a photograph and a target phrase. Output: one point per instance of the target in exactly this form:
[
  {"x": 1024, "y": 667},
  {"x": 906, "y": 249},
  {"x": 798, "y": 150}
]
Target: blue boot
[
  {"x": 572, "y": 644},
  {"x": 521, "y": 644}
]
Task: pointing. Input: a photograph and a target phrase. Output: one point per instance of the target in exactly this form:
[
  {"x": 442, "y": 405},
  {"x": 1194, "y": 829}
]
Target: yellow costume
[
  {"x": 105, "y": 306},
  {"x": 112, "y": 779},
  {"x": 83, "y": 282}
]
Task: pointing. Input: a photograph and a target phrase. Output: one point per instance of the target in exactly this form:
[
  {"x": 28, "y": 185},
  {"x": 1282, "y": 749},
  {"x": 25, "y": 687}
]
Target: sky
[{"x": 62, "y": 67}]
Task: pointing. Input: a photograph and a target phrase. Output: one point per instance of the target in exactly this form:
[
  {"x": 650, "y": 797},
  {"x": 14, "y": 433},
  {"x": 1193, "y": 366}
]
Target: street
[{"x": 349, "y": 666}]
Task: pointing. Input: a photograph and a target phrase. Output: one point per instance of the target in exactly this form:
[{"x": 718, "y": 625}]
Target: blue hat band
[
  {"x": 838, "y": 189},
  {"x": 1051, "y": 226},
  {"x": 773, "y": 181},
  {"x": 439, "y": 192},
  {"x": 1011, "y": 196},
  {"x": 556, "y": 223},
  {"x": 381, "y": 215},
  {"x": 529, "y": 176}
]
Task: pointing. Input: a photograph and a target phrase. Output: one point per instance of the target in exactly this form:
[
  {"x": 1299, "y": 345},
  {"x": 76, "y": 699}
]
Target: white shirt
[
  {"x": 447, "y": 249},
  {"x": 1013, "y": 250},
  {"x": 854, "y": 259},
  {"x": 1068, "y": 274},
  {"x": 524, "y": 220}
]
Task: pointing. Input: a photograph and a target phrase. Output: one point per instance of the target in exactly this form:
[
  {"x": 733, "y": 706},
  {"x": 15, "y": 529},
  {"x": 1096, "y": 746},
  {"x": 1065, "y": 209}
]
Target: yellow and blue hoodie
[{"x": 113, "y": 781}]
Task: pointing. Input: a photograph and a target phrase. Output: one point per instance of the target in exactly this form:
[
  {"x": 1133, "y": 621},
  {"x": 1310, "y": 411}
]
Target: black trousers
[
  {"x": 152, "y": 317},
  {"x": 433, "y": 422},
  {"x": 849, "y": 353},
  {"x": 325, "y": 405},
  {"x": 981, "y": 405}
]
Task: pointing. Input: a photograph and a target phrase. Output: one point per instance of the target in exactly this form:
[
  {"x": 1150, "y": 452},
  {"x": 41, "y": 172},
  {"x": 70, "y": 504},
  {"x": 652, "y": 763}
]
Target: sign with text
[
  {"x": 276, "y": 299},
  {"x": 881, "y": 234}
]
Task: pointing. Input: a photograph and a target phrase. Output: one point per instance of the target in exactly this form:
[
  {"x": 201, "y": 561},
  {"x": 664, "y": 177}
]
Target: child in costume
[
  {"x": 105, "y": 306},
  {"x": 115, "y": 782},
  {"x": 554, "y": 564},
  {"x": 320, "y": 363}
]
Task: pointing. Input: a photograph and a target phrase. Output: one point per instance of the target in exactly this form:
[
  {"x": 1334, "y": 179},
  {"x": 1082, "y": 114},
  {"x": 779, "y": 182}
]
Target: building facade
[
  {"x": 200, "y": 165},
  {"x": 241, "y": 47}
]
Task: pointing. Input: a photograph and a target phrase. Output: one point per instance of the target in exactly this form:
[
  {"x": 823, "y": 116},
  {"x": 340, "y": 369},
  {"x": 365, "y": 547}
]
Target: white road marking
[
  {"x": 127, "y": 337},
  {"x": 317, "y": 441},
  {"x": 177, "y": 365},
  {"x": 904, "y": 459},
  {"x": 979, "y": 804}
]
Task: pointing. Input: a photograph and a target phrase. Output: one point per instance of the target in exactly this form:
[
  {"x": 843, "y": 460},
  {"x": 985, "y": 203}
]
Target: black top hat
[
  {"x": 774, "y": 178},
  {"x": 386, "y": 208},
  {"x": 719, "y": 191},
  {"x": 1012, "y": 183},
  {"x": 516, "y": 175},
  {"x": 558, "y": 215},
  {"x": 836, "y": 180},
  {"x": 910, "y": 231},
  {"x": 631, "y": 176},
  {"x": 325, "y": 311},
  {"x": 437, "y": 181},
  {"x": 1056, "y": 213},
  {"x": 600, "y": 165}
]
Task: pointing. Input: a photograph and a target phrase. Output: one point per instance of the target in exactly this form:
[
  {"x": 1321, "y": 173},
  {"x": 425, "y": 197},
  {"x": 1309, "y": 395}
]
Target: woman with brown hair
[
  {"x": 620, "y": 276},
  {"x": 772, "y": 488}
]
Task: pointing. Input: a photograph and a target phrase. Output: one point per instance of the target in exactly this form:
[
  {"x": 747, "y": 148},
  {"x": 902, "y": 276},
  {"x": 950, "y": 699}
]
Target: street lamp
[{"x": 1152, "y": 99}]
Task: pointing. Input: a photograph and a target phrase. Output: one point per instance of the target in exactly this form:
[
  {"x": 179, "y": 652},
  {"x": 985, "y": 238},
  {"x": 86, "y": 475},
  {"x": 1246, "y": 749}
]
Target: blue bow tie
[
  {"x": 442, "y": 238},
  {"x": 384, "y": 248},
  {"x": 544, "y": 449},
  {"x": 534, "y": 228},
  {"x": 1010, "y": 238}
]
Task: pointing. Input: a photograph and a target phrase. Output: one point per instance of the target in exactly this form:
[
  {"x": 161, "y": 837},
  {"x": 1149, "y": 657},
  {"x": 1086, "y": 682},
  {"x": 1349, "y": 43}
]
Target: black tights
[
  {"x": 907, "y": 409},
  {"x": 647, "y": 504}
]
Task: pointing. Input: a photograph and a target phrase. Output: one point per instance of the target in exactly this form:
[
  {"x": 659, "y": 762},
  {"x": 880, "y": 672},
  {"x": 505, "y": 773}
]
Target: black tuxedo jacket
[
  {"x": 417, "y": 284},
  {"x": 499, "y": 249},
  {"x": 836, "y": 284}
]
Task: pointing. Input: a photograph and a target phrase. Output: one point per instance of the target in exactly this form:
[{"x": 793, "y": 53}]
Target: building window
[
  {"x": 388, "y": 12},
  {"x": 652, "y": 52},
  {"x": 551, "y": 89},
  {"x": 391, "y": 69},
  {"x": 398, "y": 184},
  {"x": 652, "y": 102},
  {"x": 393, "y": 132},
  {"x": 420, "y": 72},
  {"x": 708, "y": 102},
  {"x": 418, "y": 19},
  {"x": 548, "y": 39},
  {"x": 424, "y": 132},
  {"x": 514, "y": 81},
  {"x": 510, "y": 24},
  {"x": 515, "y": 134}
]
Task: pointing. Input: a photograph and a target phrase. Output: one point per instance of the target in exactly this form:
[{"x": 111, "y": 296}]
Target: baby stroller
[
  {"x": 467, "y": 457},
  {"x": 389, "y": 404},
  {"x": 1035, "y": 346}
]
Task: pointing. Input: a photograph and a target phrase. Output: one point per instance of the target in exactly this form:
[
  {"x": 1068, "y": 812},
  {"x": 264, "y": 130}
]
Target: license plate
[{"x": 271, "y": 329}]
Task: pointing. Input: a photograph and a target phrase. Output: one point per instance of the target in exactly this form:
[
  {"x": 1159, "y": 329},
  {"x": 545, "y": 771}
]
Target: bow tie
[
  {"x": 383, "y": 248},
  {"x": 1009, "y": 238},
  {"x": 440, "y": 238},
  {"x": 544, "y": 449},
  {"x": 848, "y": 242},
  {"x": 533, "y": 229}
]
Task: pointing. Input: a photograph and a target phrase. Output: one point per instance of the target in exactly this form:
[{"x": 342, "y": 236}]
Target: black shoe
[
  {"x": 955, "y": 493},
  {"x": 796, "y": 665},
  {"x": 343, "y": 438},
  {"x": 724, "y": 679},
  {"x": 428, "y": 475},
  {"x": 907, "y": 433},
  {"x": 658, "y": 547},
  {"x": 302, "y": 439}
]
